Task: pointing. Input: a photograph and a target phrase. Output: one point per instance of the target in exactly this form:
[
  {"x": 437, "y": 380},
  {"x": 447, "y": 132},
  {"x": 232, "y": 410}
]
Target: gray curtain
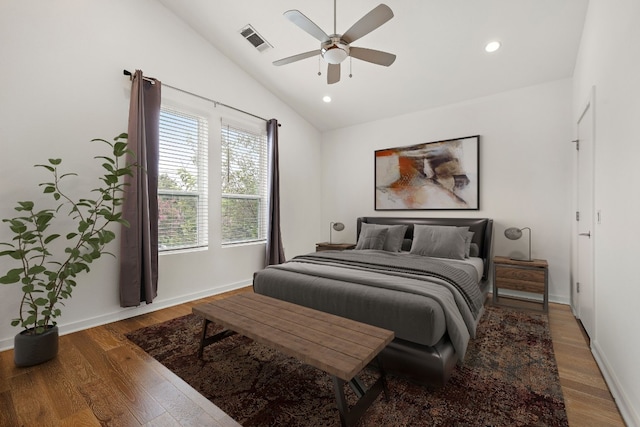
[
  {"x": 139, "y": 242},
  {"x": 275, "y": 250}
]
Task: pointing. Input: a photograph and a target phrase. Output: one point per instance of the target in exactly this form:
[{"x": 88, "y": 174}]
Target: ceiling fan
[{"x": 335, "y": 48}]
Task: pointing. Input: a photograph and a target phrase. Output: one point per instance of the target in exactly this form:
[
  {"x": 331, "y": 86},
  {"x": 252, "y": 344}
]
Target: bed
[{"x": 424, "y": 278}]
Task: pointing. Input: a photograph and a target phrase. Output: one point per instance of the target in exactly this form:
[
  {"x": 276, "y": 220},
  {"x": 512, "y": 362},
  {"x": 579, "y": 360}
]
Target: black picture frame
[{"x": 438, "y": 175}]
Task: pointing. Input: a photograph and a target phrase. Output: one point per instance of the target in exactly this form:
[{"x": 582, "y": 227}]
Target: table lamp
[
  {"x": 514, "y": 233},
  {"x": 338, "y": 226}
]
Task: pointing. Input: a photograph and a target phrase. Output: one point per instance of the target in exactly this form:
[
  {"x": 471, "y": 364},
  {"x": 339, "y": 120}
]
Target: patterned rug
[{"x": 509, "y": 378}]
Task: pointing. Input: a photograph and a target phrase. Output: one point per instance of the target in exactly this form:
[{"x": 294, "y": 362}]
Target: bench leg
[
  {"x": 349, "y": 416},
  {"x": 205, "y": 341}
]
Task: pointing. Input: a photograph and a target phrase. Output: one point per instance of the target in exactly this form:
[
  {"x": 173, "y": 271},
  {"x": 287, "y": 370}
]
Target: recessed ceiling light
[
  {"x": 492, "y": 46},
  {"x": 326, "y": 98}
]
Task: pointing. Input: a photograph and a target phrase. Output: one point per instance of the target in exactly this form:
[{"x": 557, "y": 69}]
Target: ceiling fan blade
[
  {"x": 306, "y": 24},
  {"x": 333, "y": 74},
  {"x": 297, "y": 57},
  {"x": 374, "y": 56},
  {"x": 369, "y": 22}
]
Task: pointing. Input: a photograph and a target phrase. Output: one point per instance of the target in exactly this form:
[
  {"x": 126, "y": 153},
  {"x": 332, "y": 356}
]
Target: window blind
[
  {"x": 182, "y": 181},
  {"x": 244, "y": 183}
]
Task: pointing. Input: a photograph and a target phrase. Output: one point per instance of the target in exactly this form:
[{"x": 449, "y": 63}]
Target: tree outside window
[
  {"x": 243, "y": 177},
  {"x": 182, "y": 183}
]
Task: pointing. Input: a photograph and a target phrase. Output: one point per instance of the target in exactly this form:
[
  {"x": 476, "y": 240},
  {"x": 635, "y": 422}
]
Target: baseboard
[
  {"x": 629, "y": 414},
  {"x": 125, "y": 313}
]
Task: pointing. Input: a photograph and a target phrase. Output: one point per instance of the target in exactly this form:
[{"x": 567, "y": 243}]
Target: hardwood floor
[
  {"x": 586, "y": 395},
  {"x": 100, "y": 378}
]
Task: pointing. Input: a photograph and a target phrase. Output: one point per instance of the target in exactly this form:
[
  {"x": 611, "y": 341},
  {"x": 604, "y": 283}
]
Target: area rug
[{"x": 509, "y": 378}]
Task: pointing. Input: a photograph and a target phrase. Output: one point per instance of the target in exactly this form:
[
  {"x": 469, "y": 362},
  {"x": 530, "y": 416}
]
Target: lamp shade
[{"x": 513, "y": 233}]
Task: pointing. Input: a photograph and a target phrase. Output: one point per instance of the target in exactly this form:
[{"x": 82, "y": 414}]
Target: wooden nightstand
[
  {"x": 326, "y": 246},
  {"x": 523, "y": 276}
]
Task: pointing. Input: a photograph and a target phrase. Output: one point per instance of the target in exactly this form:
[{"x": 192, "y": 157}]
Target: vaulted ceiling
[{"x": 439, "y": 46}]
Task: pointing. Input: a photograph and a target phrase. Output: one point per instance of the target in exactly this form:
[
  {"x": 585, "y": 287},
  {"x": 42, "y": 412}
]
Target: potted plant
[{"x": 48, "y": 258}]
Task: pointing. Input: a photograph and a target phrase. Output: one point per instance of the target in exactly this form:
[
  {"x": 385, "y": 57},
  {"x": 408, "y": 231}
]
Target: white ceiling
[{"x": 439, "y": 46}]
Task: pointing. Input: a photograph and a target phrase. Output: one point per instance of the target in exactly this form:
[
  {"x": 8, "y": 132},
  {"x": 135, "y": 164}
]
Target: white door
[{"x": 585, "y": 226}]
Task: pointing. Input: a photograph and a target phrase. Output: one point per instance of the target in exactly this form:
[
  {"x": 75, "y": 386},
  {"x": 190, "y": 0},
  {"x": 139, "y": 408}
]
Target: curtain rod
[{"x": 215, "y": 103}]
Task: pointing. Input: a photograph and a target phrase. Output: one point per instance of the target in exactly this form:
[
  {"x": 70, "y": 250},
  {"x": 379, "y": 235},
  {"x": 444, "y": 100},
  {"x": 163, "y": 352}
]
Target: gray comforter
[{"x": 419, "y": 298}]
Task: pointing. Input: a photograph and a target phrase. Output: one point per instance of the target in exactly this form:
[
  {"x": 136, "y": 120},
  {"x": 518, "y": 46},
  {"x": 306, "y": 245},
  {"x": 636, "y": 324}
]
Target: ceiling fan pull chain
[
  {"x": 350, "y": 64},
  {"x": 335, "y": 31},
  {"x": 319, "y": 73}
]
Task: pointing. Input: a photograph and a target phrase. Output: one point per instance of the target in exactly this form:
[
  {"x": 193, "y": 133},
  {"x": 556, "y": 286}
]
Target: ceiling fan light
[{"x": 334, "y": 54}]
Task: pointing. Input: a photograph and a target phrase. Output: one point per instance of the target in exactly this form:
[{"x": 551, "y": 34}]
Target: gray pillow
[
  {"x": 467, "y": 243},
  {"x": 474, "y": 250},
  {"x": 439, "y": 241},
  {"x": 372, "y": 238},
  {"x": 395, "y": 235}
]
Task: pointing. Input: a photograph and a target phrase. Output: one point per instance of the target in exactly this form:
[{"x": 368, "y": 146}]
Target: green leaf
[
  {"x": 109, "y": 159},
  {"x": 15, "y": 322},
  {"x": 56, "y": 196},
  {"x": 18, "y": 254},
  {"x": 71, "y": 235},
  {"x": 37, "y": 269},
  {"x": 26, "y": 206},
  {"x": 51, "y": 169},
  {"x": 110, "y": 179},
  {"x": 43, "y": 218},
  {"x": 18, "y": 228},
  {"x": 9, "y": 278},
  {"x": 108, "y": 236},
  {"x": 49, "y": 190},
  {"x": 51, "y": 238},
  {"x": 41, "y": 302},
  {"x": 55, "y": 161},
  {"x": 119, "y": 148}
]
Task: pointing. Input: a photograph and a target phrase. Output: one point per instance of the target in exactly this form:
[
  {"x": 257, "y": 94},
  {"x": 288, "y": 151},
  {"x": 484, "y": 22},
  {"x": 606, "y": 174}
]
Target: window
[
  {"x": 182, "y": 181},
  {"x": 244, "y": 183}
]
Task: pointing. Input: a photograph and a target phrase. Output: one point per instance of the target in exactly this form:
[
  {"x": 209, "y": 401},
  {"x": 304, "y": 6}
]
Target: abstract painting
[{"x": 433, "y": 175}]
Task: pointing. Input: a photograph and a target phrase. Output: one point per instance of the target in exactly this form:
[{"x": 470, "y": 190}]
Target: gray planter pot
[{"x": 32, "y": 350}]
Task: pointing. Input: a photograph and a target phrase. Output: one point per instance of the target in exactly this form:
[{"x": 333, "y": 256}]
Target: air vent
[{"x": 254, "y": 38}]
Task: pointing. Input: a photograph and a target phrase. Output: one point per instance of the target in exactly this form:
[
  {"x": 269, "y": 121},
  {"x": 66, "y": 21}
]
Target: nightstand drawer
[{"x": 520, "y": 279}]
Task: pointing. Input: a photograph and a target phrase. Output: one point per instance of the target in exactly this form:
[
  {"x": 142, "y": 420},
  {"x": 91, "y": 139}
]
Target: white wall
[
  {"x": 61, "y": 84},
  {"x": 609, "y": 59},
  {"x": 525, "y": 169}
]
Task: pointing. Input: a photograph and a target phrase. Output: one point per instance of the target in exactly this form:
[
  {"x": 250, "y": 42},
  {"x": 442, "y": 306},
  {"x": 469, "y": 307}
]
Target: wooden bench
[{"x": 341, "y": 347}]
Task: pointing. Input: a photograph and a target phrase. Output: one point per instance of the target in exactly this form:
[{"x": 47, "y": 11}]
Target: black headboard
[{"x": 481, "y": 227}]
